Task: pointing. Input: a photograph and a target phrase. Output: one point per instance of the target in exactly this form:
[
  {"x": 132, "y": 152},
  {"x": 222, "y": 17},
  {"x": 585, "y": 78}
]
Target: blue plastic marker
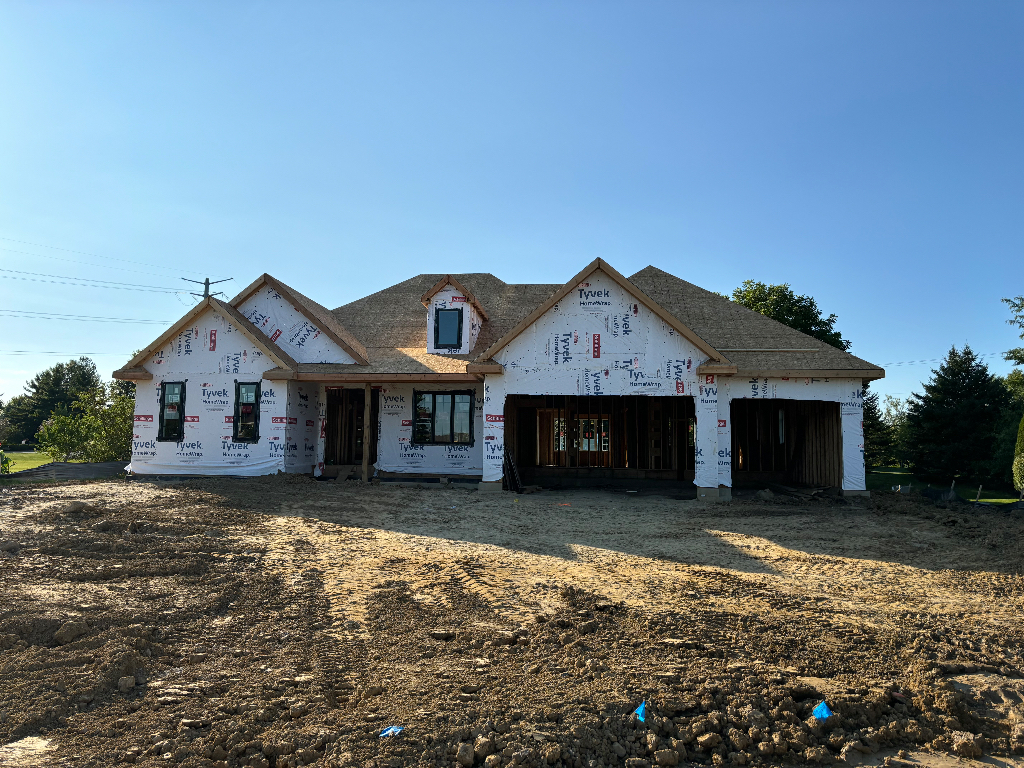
[
  {"x": 391, "y": 730},
  {"x": 822, "y": 712},
  {"x": 639, "y": 711}
]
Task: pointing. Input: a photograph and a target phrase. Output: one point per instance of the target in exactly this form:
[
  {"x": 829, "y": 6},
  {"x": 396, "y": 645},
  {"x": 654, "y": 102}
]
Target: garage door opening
[
  {"x": 797, "y": 442},
  {"x": 570, "y": 440}
]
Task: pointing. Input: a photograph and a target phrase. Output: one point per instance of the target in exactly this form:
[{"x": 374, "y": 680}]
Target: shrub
[
  {"x": 63, "y": 437},
  {"x": 5, "y": 464}
]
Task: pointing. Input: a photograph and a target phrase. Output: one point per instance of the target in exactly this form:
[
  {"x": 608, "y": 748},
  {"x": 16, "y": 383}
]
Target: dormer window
[{"x": 448, "y": 329}]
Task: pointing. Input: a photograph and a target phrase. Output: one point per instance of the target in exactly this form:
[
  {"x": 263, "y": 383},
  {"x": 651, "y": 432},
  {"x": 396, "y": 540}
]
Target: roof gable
[
  {"x": 641, "y": 296},
  {"x": 449, "y": 280},
  {"x": 229, "y": 313},
  {"x": 317, "y": 314}
]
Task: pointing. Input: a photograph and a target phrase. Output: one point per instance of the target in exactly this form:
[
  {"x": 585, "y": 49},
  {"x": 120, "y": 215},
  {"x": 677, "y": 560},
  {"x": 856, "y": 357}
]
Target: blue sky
[{"x": 868, "y": 153}]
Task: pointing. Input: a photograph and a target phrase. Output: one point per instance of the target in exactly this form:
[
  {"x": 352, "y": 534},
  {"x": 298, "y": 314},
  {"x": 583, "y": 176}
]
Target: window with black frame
[
  {"x": 247, "y": 412},
  {"x": 442, "y": 418},
  {"x": 172, "y": 412},
  {"x": 448, "y": 329}
]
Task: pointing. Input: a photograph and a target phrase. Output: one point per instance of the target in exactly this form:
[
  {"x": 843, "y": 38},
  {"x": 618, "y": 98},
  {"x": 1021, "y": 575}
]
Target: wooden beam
[
  {"x": 716, "y": 370},
  {"x": 374, "y": 378},
  {"x": 493, "y": 368},
  {"x": 832, "y": 373},
  {"x": 132, "y": 374},
  {"x": 366, "y": 432}
]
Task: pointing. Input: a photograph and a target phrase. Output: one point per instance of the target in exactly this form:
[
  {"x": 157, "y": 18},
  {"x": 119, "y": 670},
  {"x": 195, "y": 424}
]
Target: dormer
[{"x": 454, "y": 318}]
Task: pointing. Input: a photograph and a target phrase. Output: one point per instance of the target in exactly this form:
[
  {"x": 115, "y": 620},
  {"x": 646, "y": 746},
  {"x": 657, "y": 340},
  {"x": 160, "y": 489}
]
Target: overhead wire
[
  {"x": 96, "y": 255},
  {"x": 86, "y": 282},
  {"x": 30, "y": 315},
  {"x": 92, "y": 264}
]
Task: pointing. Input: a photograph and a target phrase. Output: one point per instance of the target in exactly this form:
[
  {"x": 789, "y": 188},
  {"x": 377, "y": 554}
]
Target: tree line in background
[
  {"x": 967, "y": 424},
  {"x": 71, "y": 415}
]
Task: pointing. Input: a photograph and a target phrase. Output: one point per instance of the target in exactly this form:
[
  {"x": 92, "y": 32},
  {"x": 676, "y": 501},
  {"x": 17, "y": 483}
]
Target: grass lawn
[
  {"x": 27, "y": 460},
  {"x": 884, "y": 478}
]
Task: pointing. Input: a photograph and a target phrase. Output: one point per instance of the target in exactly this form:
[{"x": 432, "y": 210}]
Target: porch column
[
  {"x": 494, "y": 431},
  {"x": 851, "y": 408},
  {"x": 724, "y": 435},
  {"x": 368, "y": 393},
  {"x": 321, "y": 440},
  {"x": 706, "y": 448}
]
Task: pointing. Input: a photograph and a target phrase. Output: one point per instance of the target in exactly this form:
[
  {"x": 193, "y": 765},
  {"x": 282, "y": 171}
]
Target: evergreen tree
[
  {"x": 878, "y": 438},
  {"x": 48, "y": 392},
  {"x": 1016, "y": 305},
  {"x": 779, "y": 302},
  {"x": 951, "y": 428}
]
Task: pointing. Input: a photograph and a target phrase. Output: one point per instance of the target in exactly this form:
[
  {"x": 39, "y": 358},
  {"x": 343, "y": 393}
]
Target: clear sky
[{"x": 869, "y": 153}]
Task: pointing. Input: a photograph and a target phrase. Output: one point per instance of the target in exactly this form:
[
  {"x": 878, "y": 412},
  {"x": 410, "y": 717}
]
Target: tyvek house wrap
[
  {"x": 395, "y": 450},
  {"x": 210, "y": 357},
  {"x": 290, "y": 329},
  {"x": 848, "y": 393},
  {"x": 600, "y": 340}
]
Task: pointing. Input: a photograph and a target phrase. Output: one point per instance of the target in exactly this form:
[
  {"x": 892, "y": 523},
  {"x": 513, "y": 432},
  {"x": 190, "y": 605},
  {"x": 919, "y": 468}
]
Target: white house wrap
[{"x": 601, "y": 379}]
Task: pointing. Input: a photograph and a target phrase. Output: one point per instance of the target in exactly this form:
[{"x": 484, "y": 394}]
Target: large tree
[
  {"x": 878, "y": 434},
  {"x": 779, "y": 302},
  {"x": 953, "y": 427},
  {"x": 53, "y": 390},
  {"x": 1016, "y": 305}
]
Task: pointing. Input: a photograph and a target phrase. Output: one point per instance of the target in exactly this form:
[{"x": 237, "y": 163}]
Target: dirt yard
[{"x": 285, "y": 622}]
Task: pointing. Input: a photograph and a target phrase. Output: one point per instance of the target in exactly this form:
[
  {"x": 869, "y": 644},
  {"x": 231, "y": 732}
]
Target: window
[
  {"x": 448, "y": 329},
  {"x": 247, "y": 412},
  {"x": 442, "y": 417},
  {"x": 172, "y": 411}
]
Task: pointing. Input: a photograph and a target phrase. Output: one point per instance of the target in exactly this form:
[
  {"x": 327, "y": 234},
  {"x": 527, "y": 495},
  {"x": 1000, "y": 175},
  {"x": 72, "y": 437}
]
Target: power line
[
  {"x": 56, "y": 316},
  {"x": 92, "y": 264},
  {"x": 937, "y": 360},
  {"x": 86, "y": 282},
  {"x": 86, "y": 253},
  {"x": 35, "y": 352}
]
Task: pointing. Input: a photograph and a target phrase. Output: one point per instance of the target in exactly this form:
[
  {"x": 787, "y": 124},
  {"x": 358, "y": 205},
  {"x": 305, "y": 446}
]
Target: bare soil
[{"x": 285, "y": 622}]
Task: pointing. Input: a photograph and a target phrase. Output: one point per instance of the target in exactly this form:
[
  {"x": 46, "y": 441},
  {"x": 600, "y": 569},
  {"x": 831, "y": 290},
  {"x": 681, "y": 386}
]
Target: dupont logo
[
  {"x": 680, "y": 387},
  {"x": 597, "y": 345},
  {"x": 458, "y": 298},
  {"x": 229, "y": 419},
  {"x": 495, "y": 417},
  {"x": 406, "y": 422},
  {"x": 277, "y": 335},
  {"x": 490, "y": 437},
  {"x": 213, "y": 341},
  {"x": 191, "y": 418},
  {"x": 279, "y": 420},
  {"x": 147, "y": 419},
  {"x": 722, "y": 423},
  {"x": 709, "y": 379},
  {"x": 310, "y": 423},
  {"x": 293, "y": 420}
]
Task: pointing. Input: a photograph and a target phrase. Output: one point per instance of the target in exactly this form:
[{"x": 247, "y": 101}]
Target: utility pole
[{"x": 206, "y": 286}]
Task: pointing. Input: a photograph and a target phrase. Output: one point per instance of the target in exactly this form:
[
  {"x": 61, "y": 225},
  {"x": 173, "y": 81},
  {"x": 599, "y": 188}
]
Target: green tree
[
  {"x": 878, "y": 438},
  {"x": 780, "y": 303},
  {"x": 1016, "y": 305},
  {"x": 63, "y": 436},
  {"x": 55, "y": 388},
  {"x": 952, "y": 427},
  {"x": 894, "y": 414},
  {"x": 108, "y": 413}
]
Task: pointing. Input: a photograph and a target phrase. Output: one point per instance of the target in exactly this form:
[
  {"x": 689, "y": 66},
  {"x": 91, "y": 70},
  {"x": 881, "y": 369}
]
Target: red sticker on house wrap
[
  {"x": 680, "y": 387},
  {"x": 213, "y": 341},
  {"x": 597, "y": 345},
  {"x": 147, "y": 419},
  {"x": 492, "y": 417}
]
